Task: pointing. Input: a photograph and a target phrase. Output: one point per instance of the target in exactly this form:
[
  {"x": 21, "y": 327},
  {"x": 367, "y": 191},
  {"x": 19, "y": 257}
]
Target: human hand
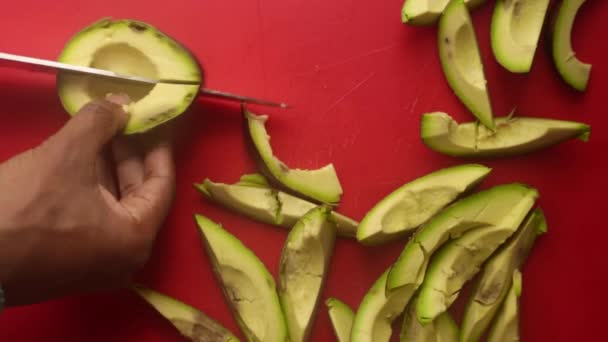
[{"x": 70, "y": 221}]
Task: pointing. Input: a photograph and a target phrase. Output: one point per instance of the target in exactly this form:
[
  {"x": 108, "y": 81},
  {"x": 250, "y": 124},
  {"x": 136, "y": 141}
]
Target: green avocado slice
[
  {"x": 461, "y": 61},
  {"x": 342, "y": 317},
  {"x": 572, "y": 70},
  {"x": 443, "y": 329},
  {"x": 506, "y": 325},
  {"x": 426, "y": 12},
  {"x": 303, "y": 269},
  {"x": 252, "y": 198},
  {"x": 135, "y": 48},
  {"x": 378, "y": 310},
  {"x": 247, "y": 284},
  {"x": 459, "y": 260},
  {"x": 321, "y": 185},
  {"x": 416, "y": 202},
  {"x": 495, "y": 280},
  {"x": 190, "y": 322},
  {"x": 496, "y": 206},
  {"x": 516, "y": 27},
  {"x": 513, "y": 135}
]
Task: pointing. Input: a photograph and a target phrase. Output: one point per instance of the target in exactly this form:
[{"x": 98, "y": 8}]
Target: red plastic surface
[{"x": 358, "y": 81}]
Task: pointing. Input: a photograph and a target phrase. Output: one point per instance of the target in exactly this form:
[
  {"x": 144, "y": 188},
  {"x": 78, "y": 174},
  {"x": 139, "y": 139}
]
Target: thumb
[{"x": 95, "y": 124}]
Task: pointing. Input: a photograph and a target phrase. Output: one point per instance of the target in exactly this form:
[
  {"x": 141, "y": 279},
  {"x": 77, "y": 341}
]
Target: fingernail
[{"x": 119, "y": 99}]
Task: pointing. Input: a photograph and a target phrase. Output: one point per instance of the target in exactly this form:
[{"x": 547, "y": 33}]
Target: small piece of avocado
[
  {"x": 247, "y": 284},
  {"x": 572, "y": 70},
  {"x": 190, "y": 322},
  {"x": 416, "y": 202},
  {"x": 442, "y": 329},
  {"x": 461, "y": 61},
  {"x": 426, "y": 12},
  {"x": 516, "y": 27},
  {"x": 459, "y": 260},
  {"x": 303, "y": 269},
  {"x": 506, "y": 325},
  {"x": 252, "y": 198},
  {"x": 342, "y": 317},
  {"x": 513, "y": 135},
  {"x": 377, "y": 311},
  {"x": 495, "y": 279},
  {"x": 321, "y": 185},
  {"x": 492, "y": 207},
  {"x": 135, "y": 48}
]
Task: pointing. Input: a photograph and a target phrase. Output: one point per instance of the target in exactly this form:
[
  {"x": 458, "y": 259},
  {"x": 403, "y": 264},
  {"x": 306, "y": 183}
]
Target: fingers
[{"x": 129, "y": 164}]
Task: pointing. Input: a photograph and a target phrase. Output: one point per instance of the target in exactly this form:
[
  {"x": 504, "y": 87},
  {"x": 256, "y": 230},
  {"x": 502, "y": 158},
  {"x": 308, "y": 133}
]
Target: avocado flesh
[
  {"x": 491, "y": 207},
  {"x": 495, "y": 280},
  {"x": 190, "y": 322},
  {"x": 515, "y": 29},
  {"x": 460, "y": 259},
  {"x": 426, "y": 12},
  {"x": 134, "y": 48},
  {"x": 506, "y": 325},
  {"x": 443, "y": 329},
  {"x": 513, "y": 135},
  {"x": 249, "y": 197},
  {"x": 321, "y": 185},
  {"x": 246, "y": 282},
  {"x": 303, "y": 270},
  {"x": 377, "y": 311},
  {"x": 342, "y": 317},
  {"x": 416, "y": 202},
  {"x": 461, "y": 61},
  {"x": 572, "y": 70}
]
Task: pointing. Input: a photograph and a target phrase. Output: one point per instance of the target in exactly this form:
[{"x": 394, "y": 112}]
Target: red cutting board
[{"x": 358, "y": 81}]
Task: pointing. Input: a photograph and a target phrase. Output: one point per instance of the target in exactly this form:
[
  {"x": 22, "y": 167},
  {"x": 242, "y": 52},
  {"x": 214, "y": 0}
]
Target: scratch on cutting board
[
  {"x": 358, "y": 56},
  {"x": 413, "y": 106},
  {"x": 349, "y": 92}
]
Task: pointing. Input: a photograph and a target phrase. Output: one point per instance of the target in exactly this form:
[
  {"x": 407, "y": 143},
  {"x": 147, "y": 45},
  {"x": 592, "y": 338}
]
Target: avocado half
[{"x": 135, "y": 48}]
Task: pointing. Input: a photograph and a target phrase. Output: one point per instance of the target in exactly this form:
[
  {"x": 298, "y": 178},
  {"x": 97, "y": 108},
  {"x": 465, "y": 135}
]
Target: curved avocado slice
[
  {"x": 303, "y": 269},
  {"x": 495, "y": 280},
  {"x": 378, "y": 310},
  {"x": 190, "y": 322},
  {"x": 513, "y": 135},
  {"x": 442, "y": 329},
  {"x": 321, "y": 185},
  {"x": 251, "y": 198},
  {"x": 572, "y": 70},
  {"x": 136, "y": 48},
  {"x": 426, "y": 12},
  {"x": 461, "y": 61},
  {"x": 506, "y": 325},
  {"x": 492, "y": 207},
  {"x": 246, "y": 282},
  {"x": 416, "y": 202},
  {"x": 342, "y": 317},
  {"x": 516, "y": 27}
]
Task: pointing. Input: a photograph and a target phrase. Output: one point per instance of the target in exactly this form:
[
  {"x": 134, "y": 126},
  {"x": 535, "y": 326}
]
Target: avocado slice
[
  {"x": 135, "y": 48},
  {"x": 246, "y": 282},
  {"x": 342, "y": 317},
  {"x": 414, "y": 203},
  {"x": 513, "y": 136},
  {"x": 572, "y": 70},
  {"x": 494, "y": 207},
  {"x": 461, "y": 61},
  {"x": 303, "y": 269},
  {"x": 516, "y": 27},
  {"x": 442, "y": 329},
  {"x": 506, "y": 325},
  {"x": 377, "y": 311},
  {"x": 495, "y": 280},
  {"x": 321, "y": 185},
  {"x": 460, "y": 259},
  {"x": 426, "y": 12},
  {"x": 252, "y": 198},
  {"x": 190, "y": 322}
]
